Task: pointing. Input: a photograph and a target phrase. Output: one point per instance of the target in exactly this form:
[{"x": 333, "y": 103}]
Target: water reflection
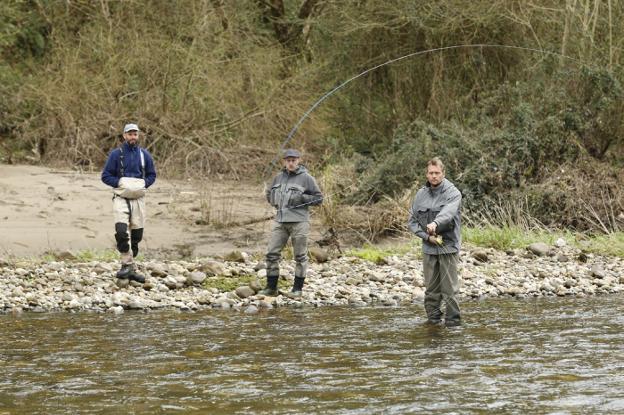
[{"x": 512, "y": 356}]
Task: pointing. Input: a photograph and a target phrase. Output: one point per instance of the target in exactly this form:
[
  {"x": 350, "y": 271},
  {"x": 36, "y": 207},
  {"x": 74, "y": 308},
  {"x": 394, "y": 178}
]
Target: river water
[{"x": 558, "y": 355}]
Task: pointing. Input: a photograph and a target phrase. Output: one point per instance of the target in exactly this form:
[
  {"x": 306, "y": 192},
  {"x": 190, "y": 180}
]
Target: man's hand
[
  {"x": 296, "y": 199},
  {"x": 435, "y": 240},
  {"x": 431, "y": 228}
]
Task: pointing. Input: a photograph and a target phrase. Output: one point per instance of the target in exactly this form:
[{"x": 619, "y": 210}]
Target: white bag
[{"x": 131, "y": 188}]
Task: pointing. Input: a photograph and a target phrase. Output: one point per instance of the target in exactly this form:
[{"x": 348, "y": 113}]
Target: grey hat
[
  {"x": 131, "y": 127},
  {"x": 291, "y": 152}
]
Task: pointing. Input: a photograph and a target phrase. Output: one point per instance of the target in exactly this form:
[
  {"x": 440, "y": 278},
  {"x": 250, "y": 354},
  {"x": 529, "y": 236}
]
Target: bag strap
[
  {"x": 121, "y": 162},
  {"x": 142, "y": 163}
]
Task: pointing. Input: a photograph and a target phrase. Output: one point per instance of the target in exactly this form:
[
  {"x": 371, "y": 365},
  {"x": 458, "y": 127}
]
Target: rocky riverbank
[{"x": 70, "y": 285}]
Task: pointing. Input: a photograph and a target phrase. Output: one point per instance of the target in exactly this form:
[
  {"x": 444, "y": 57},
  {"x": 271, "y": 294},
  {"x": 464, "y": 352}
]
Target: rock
[
  {"x": 122, "y": 283},
  {"x": 224, "y": 305},
  {"x": 232, "y": 296},
  {"x": 121, "y": 298},
  {"x": 255, "y": 285},
  {"x": 115, "y": 310},
  {"x": 157, "y": 270},
  {"x": 376, "y": 276},
  {"x": 252, "y": 309},
  {"x": 265, "y": 304},
  {"x": 560, "y": 243},
  {"x": 480, "y": 255},
  {"x": 235, "y": 256},
  {"x": 196, "y": 277},
  {"x": 562, "y": 258},
  {"x": 212, "y": 268},
  {"x": 540, "y": 249},
  {"x": 598, "y": 272},
  {"x": 260, "y": 265},
  {"x": 262, "y": 273},
  {"x": 103, "y": 267},
  {"x": 582, "y": 257},
  {"x": 65, "y": 256},
  {"x": 136, "y": 303},
  {"x": 245, "y": 291},
  {"x": 319, "y": 255},
  {"x": 170, "y": 282}
]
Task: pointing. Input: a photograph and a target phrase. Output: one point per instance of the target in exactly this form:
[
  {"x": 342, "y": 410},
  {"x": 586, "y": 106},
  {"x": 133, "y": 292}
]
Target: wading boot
[
  {"x": 271, "y": 287},
  {"x": 297, "y": 289},
  {"x": 135, "y": 276},
  {"x": 452, "y": 323},
  {"x": 125, "y": 271}
]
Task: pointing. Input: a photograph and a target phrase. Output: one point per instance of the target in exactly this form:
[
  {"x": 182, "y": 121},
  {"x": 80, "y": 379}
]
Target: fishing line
[{"x": 400, "y": 58}]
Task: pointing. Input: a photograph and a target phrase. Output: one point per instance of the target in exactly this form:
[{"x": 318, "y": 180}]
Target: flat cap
[{"x": 291, "y": 152}]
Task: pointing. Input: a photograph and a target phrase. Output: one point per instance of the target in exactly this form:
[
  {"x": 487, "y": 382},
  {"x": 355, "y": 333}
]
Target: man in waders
[
  {"x": 129, "y": 170},
  {"x": 292, "y": 192},
  {"x": 436, "y": 218}
]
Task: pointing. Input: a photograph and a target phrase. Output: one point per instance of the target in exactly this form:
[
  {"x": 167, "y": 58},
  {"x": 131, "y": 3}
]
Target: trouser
[
  {"x": 441, "y": 282},
  {"x": 280, "y": 232},
  {"x": 129, "y": 217}
]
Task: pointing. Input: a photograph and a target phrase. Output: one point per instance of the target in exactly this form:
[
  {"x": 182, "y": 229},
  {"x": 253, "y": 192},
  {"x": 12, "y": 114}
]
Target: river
[{"x": 549, "y": 355}]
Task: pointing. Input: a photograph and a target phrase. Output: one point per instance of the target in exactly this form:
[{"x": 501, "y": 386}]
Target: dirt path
[{"x": 44, "y": 209}]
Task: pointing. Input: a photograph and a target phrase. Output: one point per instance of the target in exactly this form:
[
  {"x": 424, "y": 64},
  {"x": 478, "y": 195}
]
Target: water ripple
[{"x": 557, "y": 355}]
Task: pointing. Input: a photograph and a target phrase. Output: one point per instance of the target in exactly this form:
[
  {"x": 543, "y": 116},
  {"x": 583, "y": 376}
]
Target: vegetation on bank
[
  {"x": 499, "y": 238},
  {"x": 530, "y": 138},
  {"x": 504, "y": 239}
]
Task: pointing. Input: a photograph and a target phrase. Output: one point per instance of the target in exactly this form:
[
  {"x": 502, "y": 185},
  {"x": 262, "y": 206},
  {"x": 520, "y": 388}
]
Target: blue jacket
[{"x": 131, "y": 163}]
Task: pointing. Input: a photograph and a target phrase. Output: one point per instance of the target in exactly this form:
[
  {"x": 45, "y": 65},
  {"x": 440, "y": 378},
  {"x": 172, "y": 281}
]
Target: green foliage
[
  {"x": 378, "y": 255},
  {"x": 506, "y": 237},
  {"x": 225, "y": 283},
  {"x": 514, "y": 237},
  {"x": 611, "y": 244}
]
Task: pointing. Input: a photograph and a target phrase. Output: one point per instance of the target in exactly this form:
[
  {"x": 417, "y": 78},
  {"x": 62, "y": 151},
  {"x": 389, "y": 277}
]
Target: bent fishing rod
[{"x": 400, "y": 58}]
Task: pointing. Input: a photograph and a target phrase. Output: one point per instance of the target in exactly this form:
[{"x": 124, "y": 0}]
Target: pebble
[{"x": 541, "y": 270}]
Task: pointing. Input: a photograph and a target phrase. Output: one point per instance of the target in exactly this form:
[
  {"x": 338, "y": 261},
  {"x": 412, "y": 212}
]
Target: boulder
[
  {"x": 319, "y": 255},
  {"x": 196, "y": 277},
  {"x": 598, "y": 272},
  {"x": 480, "y": 255},
  {"x": 212, "y": 268},
  {"x": 245, "y": 291},
  {"x": 235, "y": 256},
  {"x": 539, "y": 249}
]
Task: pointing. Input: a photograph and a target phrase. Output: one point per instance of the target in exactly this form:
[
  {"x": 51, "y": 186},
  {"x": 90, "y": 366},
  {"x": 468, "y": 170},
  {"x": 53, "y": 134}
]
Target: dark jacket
[
  {"x": 292, "y": 193},
  {"x": 131, "y": 165},
  {"x": 441, "y": 205}
]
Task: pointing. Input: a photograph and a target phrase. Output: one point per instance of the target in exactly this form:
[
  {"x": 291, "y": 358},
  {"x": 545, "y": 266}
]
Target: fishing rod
[{"x": 400, "y": 58}]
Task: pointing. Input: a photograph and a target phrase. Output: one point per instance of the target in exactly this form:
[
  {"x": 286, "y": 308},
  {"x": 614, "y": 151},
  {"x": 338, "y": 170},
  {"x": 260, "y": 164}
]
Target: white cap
[{"x": 131, "y": 127}]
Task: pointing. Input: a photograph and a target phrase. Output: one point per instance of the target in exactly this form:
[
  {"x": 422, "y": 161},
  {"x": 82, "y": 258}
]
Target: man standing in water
[
  {"x": 292, "y": 192},
  {"x": 436, "y": 218},
  {"x": 129, "y": 170}
]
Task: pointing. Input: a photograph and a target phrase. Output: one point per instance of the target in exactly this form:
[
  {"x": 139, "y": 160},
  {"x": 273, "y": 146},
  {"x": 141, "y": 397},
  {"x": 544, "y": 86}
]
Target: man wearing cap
[
  {"x": 129, "y": 170},
  {"x": 292, "y": 192}
]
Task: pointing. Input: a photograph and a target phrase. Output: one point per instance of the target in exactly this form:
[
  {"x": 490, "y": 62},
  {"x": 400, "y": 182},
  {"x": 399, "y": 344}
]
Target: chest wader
[
  {"x": 298, "y": 232},
  {"x": 126, "y": 242}
]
